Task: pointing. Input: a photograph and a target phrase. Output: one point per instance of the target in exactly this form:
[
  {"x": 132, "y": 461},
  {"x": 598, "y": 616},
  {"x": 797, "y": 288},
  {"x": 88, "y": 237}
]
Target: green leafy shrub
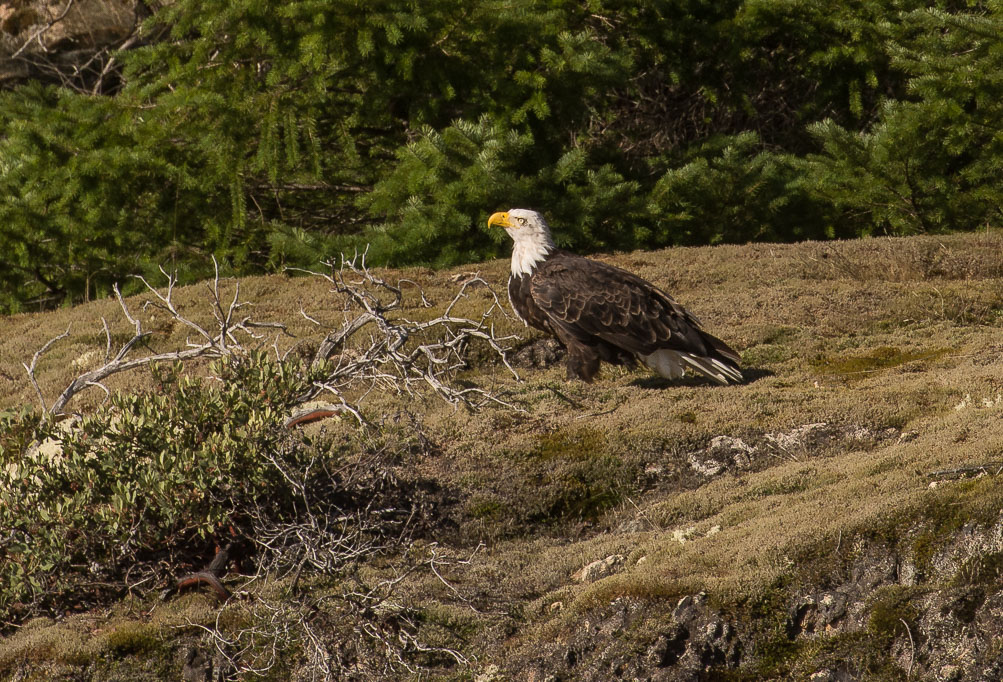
[
  {"x": 161, "y": 475},
  {"x": 151, "y": 474}
]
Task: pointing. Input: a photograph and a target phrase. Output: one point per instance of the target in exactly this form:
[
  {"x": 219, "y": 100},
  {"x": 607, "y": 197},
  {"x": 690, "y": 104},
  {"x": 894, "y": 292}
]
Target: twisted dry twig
[
  {"x": 402, "y": 354},
  {"x": 212, "y": 344}
]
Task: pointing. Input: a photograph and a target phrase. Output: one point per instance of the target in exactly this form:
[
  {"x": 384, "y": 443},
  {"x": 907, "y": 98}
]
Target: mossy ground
[{"x": 877, "y": 333}]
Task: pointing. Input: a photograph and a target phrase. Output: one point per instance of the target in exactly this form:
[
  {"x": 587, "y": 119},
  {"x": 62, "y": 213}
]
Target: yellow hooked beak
[{"x": 499, "y": 219}]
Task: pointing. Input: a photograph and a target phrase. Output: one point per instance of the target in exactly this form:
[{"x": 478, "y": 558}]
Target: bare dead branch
[
  {"x": 401, "y": 354},
  {"x": 38, "y": 34},
  {"x": 991, "y": 468},
  {"x": 212, "y": 344},
  {"x": 129, "y": 42},
  {"x": 30, "y": 369},
  {"x": 912, "y": 649},
  {"x": 107, "y": 340}
]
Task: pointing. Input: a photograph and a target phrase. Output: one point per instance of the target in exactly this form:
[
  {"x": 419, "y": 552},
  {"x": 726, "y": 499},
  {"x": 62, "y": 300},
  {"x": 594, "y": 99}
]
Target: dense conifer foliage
[{"x": 271, "y": 133}]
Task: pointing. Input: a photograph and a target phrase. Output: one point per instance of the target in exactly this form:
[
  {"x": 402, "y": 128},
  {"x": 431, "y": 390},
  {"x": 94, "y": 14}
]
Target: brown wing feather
[
  {"x": 591, "y": 299},
  {"x": 521, "y": 297}
]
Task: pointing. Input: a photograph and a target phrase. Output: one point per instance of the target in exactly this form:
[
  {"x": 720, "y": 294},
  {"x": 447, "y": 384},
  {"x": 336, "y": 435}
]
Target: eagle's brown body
[{"x": 602, "y": 313}]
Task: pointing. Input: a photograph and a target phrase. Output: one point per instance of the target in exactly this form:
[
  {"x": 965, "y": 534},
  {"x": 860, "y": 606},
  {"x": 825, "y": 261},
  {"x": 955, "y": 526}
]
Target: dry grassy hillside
[{"x": 836, "y": 517}]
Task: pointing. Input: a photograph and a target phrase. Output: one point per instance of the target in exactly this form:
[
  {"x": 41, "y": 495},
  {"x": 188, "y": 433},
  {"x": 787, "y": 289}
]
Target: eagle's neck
[{"x": 528, "y": 252}]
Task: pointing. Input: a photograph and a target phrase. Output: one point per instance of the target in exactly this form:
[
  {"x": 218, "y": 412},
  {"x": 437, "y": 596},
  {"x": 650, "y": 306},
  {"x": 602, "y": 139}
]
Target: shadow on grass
[{"x": 751, "y": 375}]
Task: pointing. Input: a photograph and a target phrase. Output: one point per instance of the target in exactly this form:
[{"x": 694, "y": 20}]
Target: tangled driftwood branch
[
  {"x": 37, "y": 35},
  {"x": 402, "y": 355},
  {"x": 399, "y": 356},
  {"x": 212, "y": 344},
  {"x": 364, "y": 630}
]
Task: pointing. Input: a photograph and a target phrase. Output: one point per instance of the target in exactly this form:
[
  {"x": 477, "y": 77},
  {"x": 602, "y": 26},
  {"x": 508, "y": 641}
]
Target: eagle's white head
[{"x": 531, "y": 235}]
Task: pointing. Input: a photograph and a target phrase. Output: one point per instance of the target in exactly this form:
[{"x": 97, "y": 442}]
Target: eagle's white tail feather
[
  {"x": 670, "y": 364},
  {"x": 666, "y": 362},
  {"x": 712, "y": 368}
]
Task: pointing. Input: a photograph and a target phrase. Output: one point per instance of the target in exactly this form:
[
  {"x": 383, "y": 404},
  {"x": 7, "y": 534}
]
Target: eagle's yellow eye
[{"x": 522, "y": 221}]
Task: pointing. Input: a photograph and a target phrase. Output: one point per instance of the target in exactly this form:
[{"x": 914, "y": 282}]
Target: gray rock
[{"x": 600, "y": 569}]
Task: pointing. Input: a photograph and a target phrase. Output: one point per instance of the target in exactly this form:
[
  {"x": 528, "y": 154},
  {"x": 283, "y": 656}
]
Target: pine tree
[
  {"x": 931, "y": 162},
  {"x": 269, "y": 133},
  {"x": 83, "y": 202}
]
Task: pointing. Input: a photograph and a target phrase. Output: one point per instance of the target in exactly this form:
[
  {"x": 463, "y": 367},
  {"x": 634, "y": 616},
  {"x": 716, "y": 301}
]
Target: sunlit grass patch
[{"x": 856, "y": 367}]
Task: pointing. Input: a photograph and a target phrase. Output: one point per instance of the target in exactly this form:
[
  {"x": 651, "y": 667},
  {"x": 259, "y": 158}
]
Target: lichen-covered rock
[
  {"x": 538, "y": 354},
  {"x": 600, "y": 569},
  {"x": 724, "y": 452},
  {"x": 730, "y": 453},
  {"x": 695, "y": 639}
]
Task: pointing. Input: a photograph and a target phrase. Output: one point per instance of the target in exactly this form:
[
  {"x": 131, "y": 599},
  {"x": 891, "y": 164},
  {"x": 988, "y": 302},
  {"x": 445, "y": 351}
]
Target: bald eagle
[{"x": 600, "y": 312}]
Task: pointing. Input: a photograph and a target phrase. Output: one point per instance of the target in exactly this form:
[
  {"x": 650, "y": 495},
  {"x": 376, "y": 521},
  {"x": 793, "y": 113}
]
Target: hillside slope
[{"x": 836, "y": 517}]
